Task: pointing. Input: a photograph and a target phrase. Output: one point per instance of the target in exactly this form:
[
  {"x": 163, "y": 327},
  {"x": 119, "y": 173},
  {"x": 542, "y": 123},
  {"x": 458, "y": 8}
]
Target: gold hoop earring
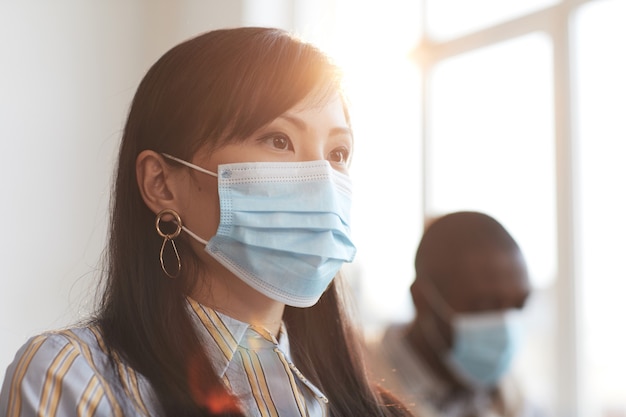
[{"x": 169, "y": 237}]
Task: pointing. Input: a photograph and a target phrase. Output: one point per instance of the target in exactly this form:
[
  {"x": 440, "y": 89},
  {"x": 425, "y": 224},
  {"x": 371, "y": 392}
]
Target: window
[
  {"x": 601, "y": 102},
  {"x": 531, "y": 98},
  {"x": 447, "y": 19},
  {"x": 492, "y": 146},
  {"x": 520, "y": 114},
  {"x": 491, "y": 149}
]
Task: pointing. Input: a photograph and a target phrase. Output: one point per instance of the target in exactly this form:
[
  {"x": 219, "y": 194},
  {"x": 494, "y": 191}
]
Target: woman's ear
[{"x": 156, "y": 181}]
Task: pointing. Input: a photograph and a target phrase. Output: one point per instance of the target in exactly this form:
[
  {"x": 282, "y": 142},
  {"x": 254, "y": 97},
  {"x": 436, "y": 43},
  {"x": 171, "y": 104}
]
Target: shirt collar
[{"x": 221, "y": 334}]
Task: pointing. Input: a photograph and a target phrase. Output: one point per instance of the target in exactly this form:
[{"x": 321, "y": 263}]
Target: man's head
[{"x": 468, "y": 269}]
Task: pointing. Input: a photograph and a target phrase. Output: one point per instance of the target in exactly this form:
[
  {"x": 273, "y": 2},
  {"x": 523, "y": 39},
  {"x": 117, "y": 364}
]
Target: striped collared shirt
[{"x": 68, "y": 373}]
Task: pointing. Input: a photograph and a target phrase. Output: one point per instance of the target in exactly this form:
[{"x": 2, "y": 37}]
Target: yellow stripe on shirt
[
  {"x": 294, "y": 386},
  {"x": 265, "y": 405},
  {"x": 51, "y": 392},
  {"x": 90, "y": 398},
  {"x": 134, "y": 387},
  {"x": 15, "y": 400},
  {"x": 86, "y": 351},
  {"x": 127, "y": 375},
  {"x": 216, "y": 328}
]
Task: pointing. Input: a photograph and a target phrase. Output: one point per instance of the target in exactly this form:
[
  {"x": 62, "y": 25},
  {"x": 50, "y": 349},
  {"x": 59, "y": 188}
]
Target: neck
[
  {"x": 430, "y": 348},
  {"x": 226, "y": 293},
  {"x": 423, "y": 346}
]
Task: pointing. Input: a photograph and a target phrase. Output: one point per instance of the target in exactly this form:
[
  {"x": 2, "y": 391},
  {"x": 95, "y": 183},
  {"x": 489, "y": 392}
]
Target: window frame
[{"x": 555, "y": 22}]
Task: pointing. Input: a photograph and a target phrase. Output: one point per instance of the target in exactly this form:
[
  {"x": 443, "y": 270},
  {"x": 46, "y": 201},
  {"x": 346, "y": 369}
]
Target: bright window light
[
  {"x": 601, "y": 102},
  {"x": 492, "y": 145},
  {"x": 383, "y": 87},
  {"x": 452, "y": 18}
]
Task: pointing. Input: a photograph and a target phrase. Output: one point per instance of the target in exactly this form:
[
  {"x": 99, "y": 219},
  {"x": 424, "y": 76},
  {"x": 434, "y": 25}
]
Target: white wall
[{"x": 68, "y": 70}]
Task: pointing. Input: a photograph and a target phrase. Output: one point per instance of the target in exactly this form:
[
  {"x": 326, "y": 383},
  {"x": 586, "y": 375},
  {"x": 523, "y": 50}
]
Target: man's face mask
[{"x": 483, "y": 343}]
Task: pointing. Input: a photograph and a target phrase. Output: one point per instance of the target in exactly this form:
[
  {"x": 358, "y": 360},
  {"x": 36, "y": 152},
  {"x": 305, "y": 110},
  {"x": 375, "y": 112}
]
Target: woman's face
[{"x": 312, "y": 130}]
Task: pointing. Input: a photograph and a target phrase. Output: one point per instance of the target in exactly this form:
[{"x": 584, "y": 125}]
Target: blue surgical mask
[
  {"x": 284, "y": 226},
  {"x": 484, "y": 345}
]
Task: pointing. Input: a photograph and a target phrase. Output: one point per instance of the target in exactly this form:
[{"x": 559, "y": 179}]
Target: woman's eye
[
  {"x": 278, "y": 141},
  {"x": 339, "y": 155}
]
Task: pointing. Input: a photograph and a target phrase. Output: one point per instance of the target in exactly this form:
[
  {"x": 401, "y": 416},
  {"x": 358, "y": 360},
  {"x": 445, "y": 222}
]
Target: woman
[{"x": 230, "y": 219}]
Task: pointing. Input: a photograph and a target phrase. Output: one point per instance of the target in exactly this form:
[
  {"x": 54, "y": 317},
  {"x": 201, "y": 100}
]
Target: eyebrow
[
  {"x": 300, "y": 124},
  {"x": 337, "y": 131}
]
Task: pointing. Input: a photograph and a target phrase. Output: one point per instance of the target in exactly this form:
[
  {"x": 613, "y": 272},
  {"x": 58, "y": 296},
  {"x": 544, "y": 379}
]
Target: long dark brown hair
[{"x": 214, "y": 89}]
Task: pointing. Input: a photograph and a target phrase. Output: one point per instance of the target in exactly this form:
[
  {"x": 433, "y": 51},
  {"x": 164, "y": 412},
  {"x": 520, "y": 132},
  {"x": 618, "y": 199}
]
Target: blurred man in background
[{"x": 453, "y": 359}]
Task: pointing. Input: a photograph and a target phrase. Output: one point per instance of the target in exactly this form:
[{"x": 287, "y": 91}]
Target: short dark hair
[{"x": 450, "y": 236}]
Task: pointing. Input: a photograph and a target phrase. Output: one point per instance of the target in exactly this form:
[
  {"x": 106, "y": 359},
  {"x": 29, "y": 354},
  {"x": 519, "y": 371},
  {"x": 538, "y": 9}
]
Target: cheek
[
  {"x": 445, "y": 330},
  {"x": 202, "y": 210},
  {"x": 214, "y": 215}
]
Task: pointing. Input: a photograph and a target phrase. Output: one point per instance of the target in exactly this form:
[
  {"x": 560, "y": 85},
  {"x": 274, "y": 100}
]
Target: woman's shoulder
[
  {"x": 77, "y": 336},
  {"x": 83, "y": 343},
  {"x": 69, "y": 369}
]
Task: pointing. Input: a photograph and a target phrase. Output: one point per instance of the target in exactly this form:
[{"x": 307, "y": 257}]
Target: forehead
[
  {"x": 489, "y": 272},
  {"x": 319, "y": 100},
  {"x": 320, "y": 116}
]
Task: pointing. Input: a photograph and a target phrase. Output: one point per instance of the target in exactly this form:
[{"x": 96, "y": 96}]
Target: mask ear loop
[
  {"x": 169, "y": 237},
  {"x": 441, "y": 309},
  {"x": 436, "y": 301}
]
